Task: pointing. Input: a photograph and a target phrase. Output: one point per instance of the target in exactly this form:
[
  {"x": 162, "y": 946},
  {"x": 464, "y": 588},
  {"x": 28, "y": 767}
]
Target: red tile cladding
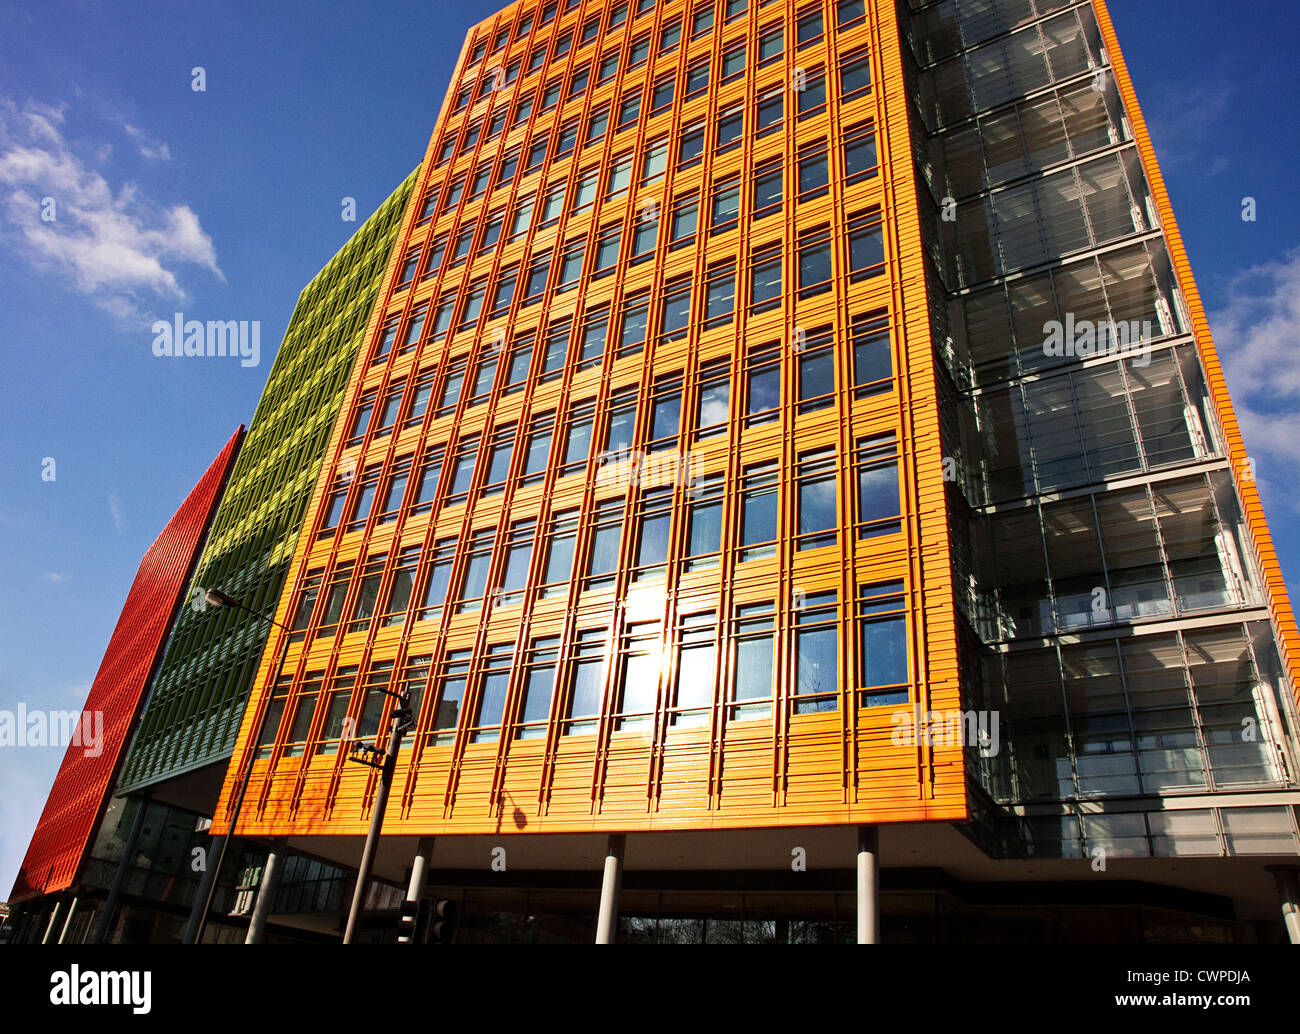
[{"x": 81, "y": 789}]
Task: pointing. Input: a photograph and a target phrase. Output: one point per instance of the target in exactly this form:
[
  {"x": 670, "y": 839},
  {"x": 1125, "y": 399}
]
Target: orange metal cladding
[
  {"x": 1279, "y": 603},
  {"x": 82, "y": 787},
  {"x": 786, "y": 769}
]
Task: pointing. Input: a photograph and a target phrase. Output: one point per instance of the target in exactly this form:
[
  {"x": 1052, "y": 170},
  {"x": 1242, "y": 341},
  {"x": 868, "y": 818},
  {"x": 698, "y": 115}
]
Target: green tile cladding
[{"x": 199, "y": 693}]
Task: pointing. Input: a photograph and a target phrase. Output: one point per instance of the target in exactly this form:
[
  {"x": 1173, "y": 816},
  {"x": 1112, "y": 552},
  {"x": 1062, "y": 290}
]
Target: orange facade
[{"x": 644, "y": 726}]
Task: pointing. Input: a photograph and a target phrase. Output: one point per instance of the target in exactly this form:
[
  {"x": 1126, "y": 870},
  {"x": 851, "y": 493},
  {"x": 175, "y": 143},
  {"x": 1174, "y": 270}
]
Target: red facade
[{"x": 81, "y": 789}]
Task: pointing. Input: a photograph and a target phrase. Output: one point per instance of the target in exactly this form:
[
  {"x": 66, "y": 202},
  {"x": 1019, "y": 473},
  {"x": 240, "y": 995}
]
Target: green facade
[{"x": 192, "y": 715}]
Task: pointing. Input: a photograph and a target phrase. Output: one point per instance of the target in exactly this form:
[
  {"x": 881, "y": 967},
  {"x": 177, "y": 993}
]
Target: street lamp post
[{"x": 208, "y": 885}]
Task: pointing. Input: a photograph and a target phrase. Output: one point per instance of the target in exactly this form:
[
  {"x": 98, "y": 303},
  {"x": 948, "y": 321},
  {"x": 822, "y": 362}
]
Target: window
[
  {"x": 334, "y": 505},
  {"x": 866, "y": 246},
  {"x": 462, "y": 246},
  {"x": 683, "y": 221},
  {"x": 539, "y": 271},
  {"x": 428, "y": 207},
  {"x": 553, "y": 205},
  {"x": 374, "y": 700},
  {"x": 814, "y": 171},
  {"x": 463, "y": 462},
  {"x": 536, "y": 156},
  {"x": 697, "y": 78},
  {"x": 765, "y": 279},
  {"x": 469, "y": 312},
  {"x": 620, "y": 178},
  {"x": 363, "y": 606},
  {"x": 590, "y": 29},
  {"x": 771, "y": 46},
  {"x": 882, "y": 625},
  {"x": 665, "y": 412},
  {"x": 497, "y": 122},
  {"x": 719, "y": 294},
  {"x": 394, "y": 489},
  {"x": 607, "y": 245},
  {"x": 816, "y": 519},
  {"x": 406, "y": 272},
  {"x": 629, "y": 110},
  {"x": 661, "y": 94},
  {"x": 550, "y": 96},
  {"x": 523, "y": 109},
  {"x": 607, "y": 68},
  {"x": 439, "y": 580},
  {"x": 442, "y": 315},
  {"x": 755, "y": 641},
  {"x": 855, "y": 76},
  {"x": 478, "y": 560},
  {"x": 696, "y": 669},
  {"x": 519, "y": 559},
  {"x": 621, "y": 429},
  {"x": 556, "y": 347},
  {"x": 735, "y": 8},
  {"x": 879, "y": 508},
  {"x": 606, "y": 537},
  {"x": 586, "y": 682},
  {"x": 597, "y": 126},
  {"x": 860, "y": 160},
  {"x": 334, "y": 597},
  {"x": 451, "y": 385},
  {"x": 640, "y": 666},
  {"x": 518, "y": 364},
  {"x": 669, "y": 36},
  {"x": 873, "y": 361},
  {"x": 812, "y": 94},
  {"x": 307, "y": 596},
  {"x": 500, "y": 452},
  {"x": 816, "y": 368},
  {"x": 675, "y": 315},
  {"x": 713, "y": 399},
  {"x": 522, "y": 218},
  {"x": 771, "y": 111},
  {"x": 399, "y": 593},
  {"x": 387, "y": 337},
  {"x": 808, "y": 28},
  {"x": 411, "y": 686},
  {"x": 701, "y": 20},
  {"x": 730, "y": 130},
  {"x": 578, "y": 82},
  {"x": 559, "y": 554},
  {"x": 595, "y": 332},
  {"x": 759, "y": 499},
  {"x": 479, "y": 184},
  {"x": 767, "y": 189},
  {"x": 537, "y": 58},
  {"x": 816, "y": 649},
  {"x": 567, "y": 139},
  {"x": 437, "y": 250},
  {"x": 654, "y": 523},
  {"x": 645, "y": 229},
  {"x": 571, "y": 259},
  {"x": 539, "y": 687},
  {"x": 491, "y": 232},
  {"x": 690, "y": 147},
  {"x": 639, "y": 52},
  {"x": 635, "y": 321},
  {"x": 584, "y": 197},
  {"x": 726, "y": 205},
  {"x": 815, "y": 262},
  {"x": 655, "y": 162},
  {"x": 577, "y": 441},
  {"x": 361, "y": 419},
  {"x": 337, "y": 702},
  {"x": 421, "y": 393},
  {"x": 274, "y": 713},
  {"x": 363, "y": 499},
  {"x": 537, "y": 449},
  {"x": 430, "y": 475},
  {"x": 503, "y": 290},
  {"x": 452, "y": 197},
  {"x": 733, "y": 62},
  {"x": 452, "y": 681},
  {"x": 704, "y": 522}
]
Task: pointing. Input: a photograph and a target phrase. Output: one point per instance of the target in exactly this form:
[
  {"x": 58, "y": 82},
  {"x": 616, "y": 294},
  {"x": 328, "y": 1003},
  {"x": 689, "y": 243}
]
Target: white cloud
[
  {"x": 115, "y": 508},
  {"x": 1258, "y": 337},
  {"x": 120, "y": 249},
  {"x": 149, "y": 147},
  {"x": 56, "y": 577}
]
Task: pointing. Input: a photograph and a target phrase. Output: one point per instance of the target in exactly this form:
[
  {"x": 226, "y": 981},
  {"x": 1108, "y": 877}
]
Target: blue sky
[{"x": 222, "y": 204}]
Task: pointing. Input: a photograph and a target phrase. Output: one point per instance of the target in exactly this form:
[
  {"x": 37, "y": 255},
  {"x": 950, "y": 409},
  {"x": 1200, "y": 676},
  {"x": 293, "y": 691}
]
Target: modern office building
[
  {"x": 53, "y": 876},
  {"x": 828, "y": 473},
  {"x": 187, "y": 727}
]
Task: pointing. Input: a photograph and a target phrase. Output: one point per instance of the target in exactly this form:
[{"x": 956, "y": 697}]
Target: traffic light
[
  {"x": 442, "y": 925},
  {"x": 406, "y": 925}
]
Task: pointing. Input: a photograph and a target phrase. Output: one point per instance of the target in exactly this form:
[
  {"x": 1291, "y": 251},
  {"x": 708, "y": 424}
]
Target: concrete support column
[
  {"x": 868, "y": 885},
  {"x": 266, "y": 893},
  {"x": 415, "y": 889},
  {"x": 54, "y": 918},
  {"x": 119, "y": 877},
  {"x": 1288, "y": 890},
  {"x": 67, "y": 923},
  {"x": 610, "y": 885}
]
